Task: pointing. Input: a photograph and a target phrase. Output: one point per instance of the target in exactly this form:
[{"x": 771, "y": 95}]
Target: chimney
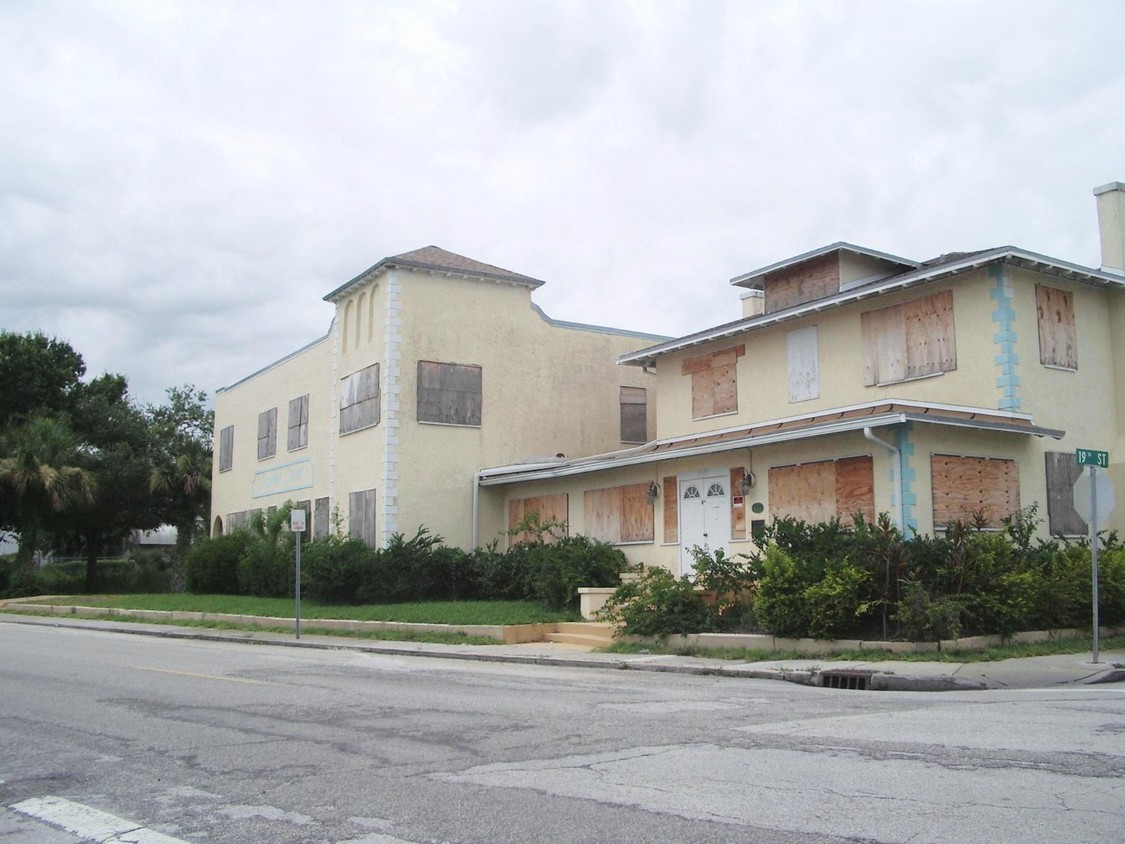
[
  {"x": 1111, "y": 225},
  {"x": 753, "y": 303}
]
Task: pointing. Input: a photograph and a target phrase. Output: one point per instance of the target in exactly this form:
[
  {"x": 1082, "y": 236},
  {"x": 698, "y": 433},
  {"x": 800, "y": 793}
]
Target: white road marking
[{"x": 89, "y": 823}]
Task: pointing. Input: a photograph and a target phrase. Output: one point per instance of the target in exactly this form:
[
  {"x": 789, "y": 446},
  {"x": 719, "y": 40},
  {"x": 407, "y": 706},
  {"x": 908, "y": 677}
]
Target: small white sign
[
  {"x": 297, "y": 521},
  {"x": 1083, "y": 499}
]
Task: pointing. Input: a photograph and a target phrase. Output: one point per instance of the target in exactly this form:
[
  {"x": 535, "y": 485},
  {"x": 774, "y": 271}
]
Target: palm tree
[
  {"x": 39, "y": 478},
  {"x": 186, "y": 482}
]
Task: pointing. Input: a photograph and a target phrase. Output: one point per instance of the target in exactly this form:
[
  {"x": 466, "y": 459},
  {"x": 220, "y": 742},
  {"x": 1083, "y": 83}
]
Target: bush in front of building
[
  {"x": 552, "y": 572},
  {"x": 212, "y": 565},
  {"x": 657, "y": 604}
]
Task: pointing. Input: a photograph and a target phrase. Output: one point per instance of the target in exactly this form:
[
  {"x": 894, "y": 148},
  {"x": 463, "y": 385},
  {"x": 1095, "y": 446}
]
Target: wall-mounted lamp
[
  {"x": 747, "y": 482},
  {"x": 652, "y": 492}
]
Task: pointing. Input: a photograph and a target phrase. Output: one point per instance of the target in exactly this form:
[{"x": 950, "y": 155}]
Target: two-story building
[
  {"x": 857, "y": 381},
  {"x": 433, "y": 366}
]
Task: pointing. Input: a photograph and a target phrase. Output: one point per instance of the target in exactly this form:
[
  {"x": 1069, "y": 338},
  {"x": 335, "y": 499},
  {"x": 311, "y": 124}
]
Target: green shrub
[
  {"x": 658, "y": 604},
  {"x": 922, "y": 617},
  {"x": 728, "y": 580},
  {"x": 267, "y": 568},
  {"x": 336, "y": 570},
  {"x": 212, "y": 565},
  {"x": 780, "y": 604},
  {"x": 839, "y": 602}
]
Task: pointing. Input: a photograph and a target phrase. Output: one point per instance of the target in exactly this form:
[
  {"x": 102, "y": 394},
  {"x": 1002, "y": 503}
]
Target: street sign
[
  {"x": 1089, "y": 457},
  {"x": 1083, "y": 500},
  {"x": 297, "y": 521}
]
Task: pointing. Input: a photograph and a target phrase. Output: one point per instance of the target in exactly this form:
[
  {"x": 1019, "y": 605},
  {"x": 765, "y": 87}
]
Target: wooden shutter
[
  {"x": 968, "y": 488},
  {"x": 714, "y": 381},
  {"x": 361, "y": 515},
  {"x": 884, "y": 345},
  {"x": 1062, "y": 471},
  {"x": 737, "y": 504},
  {"x": 321, "y": 518},
  {"x": 930, "y": 344},
  {"x": 855, "y": 488},
  {"x": 226, "y": 448},
  {"x": 1058, "y": 337},
  {"x": 619, "y": 514}
]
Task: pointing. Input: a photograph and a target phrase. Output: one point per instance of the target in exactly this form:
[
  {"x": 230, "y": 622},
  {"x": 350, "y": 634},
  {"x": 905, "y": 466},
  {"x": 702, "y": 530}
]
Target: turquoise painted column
[{"x": 1004, "y": 338}]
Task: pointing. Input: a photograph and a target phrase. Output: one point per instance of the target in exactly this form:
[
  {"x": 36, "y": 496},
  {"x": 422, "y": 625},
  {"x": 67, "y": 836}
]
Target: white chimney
[
  {"x": 1111, "y": 225},
  {"x": 753, "y": 303}
]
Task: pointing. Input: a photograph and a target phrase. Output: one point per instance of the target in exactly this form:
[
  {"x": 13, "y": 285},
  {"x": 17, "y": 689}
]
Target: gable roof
[
  {"x": 754, "y": 278},
  {"x": 436, "y": 259},
  {"x": 944, "y": 266}
]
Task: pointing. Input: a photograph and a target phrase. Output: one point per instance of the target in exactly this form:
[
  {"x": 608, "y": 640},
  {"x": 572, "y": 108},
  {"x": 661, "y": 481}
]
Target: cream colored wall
[
  {"x": 763, "y": 381},
  {"x": 854, "y": 267},
  {"x": 306, "y": 372},
  {"x": 545, "y": 390}
]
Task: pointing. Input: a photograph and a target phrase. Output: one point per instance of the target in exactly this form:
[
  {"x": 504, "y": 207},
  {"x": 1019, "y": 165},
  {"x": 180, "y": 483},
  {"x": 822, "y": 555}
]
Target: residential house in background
[
  {"x": 434, "y": 366},
  {"x": 857, "y": 381}
]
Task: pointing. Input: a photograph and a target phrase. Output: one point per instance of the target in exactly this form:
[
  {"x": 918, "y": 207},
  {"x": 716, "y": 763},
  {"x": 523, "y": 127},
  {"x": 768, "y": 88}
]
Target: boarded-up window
[
  {"x": 805, "y": 282},
  {"x": 671, "y": 510},
  {"x": 909, "y": 340},
  {"x": 449, "y": 393},
  {"x": 804, "y": 364},
  {"x": 361, "y": 516},
  {"x": 1062, "y": 471},
  {"x": 1058, "y": 339},
  {"x": 550, "y": 510},
  {"x": 619, "y": 514},
  {"x": 267, "y": 433},
  {"x": 359, "y": 400},
  {"x": 737, "y": 504},
  {"x": 226, "y": 448},
  {"x": 320, "y": 519},
  {"x": 634, "y": 415},
  {"x": 714, "y": 381},
  {"x": 299, "y": 422},
  {"x": 826, "y": 489},
  {"x": 974, "y": 489}
]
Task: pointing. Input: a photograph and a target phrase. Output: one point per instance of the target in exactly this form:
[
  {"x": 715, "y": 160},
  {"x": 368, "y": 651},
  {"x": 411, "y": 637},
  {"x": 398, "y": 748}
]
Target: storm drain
[{"x": 856, "y": 680}]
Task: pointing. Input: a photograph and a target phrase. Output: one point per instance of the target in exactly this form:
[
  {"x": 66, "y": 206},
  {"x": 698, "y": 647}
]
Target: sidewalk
[{"x": 1024, "y": 673}]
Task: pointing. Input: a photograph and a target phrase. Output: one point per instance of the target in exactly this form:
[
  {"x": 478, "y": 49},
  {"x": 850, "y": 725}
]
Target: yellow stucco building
[
  {"x": 956, "y": 388},
  {"x": 856, "y": 381}
]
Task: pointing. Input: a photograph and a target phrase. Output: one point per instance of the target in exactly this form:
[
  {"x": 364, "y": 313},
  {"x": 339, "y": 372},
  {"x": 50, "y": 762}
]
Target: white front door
[{"x": 704, "y": 517}]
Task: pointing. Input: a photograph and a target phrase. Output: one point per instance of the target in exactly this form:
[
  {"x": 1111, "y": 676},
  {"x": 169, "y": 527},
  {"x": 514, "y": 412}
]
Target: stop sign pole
[{"x": 1095, "y": 460}]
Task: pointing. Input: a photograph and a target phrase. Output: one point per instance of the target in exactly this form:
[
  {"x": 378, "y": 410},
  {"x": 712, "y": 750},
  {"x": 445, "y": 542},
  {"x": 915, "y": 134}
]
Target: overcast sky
[{"x": 182, "y": 182}]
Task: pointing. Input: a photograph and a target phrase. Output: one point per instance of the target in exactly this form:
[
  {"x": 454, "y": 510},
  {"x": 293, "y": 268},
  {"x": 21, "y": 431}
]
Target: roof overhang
[
  {"x": 923, "y": 275},
  {"x": 754, "y": 278},
  {"x": 438, "y": 269},
  {"x": 821, "y": 424}
]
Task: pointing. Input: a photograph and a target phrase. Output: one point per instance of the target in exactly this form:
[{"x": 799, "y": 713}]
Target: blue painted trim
[
  {"x": 909, "y": 476},
  {"x": 1005, "y": 339}
]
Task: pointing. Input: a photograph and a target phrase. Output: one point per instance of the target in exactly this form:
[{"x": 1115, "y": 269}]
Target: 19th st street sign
[{"x": 1093, "y": 500}]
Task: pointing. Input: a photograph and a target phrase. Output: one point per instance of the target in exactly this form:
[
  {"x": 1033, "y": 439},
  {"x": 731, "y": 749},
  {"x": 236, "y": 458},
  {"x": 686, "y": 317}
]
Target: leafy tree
[
  {"x": 41, "y": 477},
  {"x": 181, "y": 471},
  {"x": 38, "y": 376}
]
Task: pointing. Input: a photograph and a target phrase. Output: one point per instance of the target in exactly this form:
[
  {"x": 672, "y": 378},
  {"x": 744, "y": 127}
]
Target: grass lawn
[{"x": 437, "y": 612}]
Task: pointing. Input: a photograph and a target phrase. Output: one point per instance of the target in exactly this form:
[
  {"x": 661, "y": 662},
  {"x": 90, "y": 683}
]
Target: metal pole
[
  {"x": 1094, "y": 552},
  {"x": 297, "y": 592}
]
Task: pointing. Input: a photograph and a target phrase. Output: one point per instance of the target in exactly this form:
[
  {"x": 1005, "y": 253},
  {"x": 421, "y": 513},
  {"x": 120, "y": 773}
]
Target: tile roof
[{"x": 436, "y": 259}]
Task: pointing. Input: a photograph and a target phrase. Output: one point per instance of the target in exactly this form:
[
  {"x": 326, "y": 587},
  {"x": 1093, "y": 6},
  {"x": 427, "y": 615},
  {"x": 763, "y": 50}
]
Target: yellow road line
[{"x": 204, "y": 676}]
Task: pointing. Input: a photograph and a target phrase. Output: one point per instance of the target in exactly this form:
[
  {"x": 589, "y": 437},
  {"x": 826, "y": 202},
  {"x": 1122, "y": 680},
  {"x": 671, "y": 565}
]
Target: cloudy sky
[{"x": 181, "y": 182}]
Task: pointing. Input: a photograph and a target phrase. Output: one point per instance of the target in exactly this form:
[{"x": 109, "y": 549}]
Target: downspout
[
  {"x": 896, "y": 475},
  {"x": 476, "y": 507}
]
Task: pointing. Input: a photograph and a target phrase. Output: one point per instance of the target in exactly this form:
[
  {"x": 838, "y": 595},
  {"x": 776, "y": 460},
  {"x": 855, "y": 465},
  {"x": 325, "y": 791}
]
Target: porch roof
[{"x": 820, "y": 424}]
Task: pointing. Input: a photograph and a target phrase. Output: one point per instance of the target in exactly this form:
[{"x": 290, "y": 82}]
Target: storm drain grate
[{"x": 856, "y": 680}]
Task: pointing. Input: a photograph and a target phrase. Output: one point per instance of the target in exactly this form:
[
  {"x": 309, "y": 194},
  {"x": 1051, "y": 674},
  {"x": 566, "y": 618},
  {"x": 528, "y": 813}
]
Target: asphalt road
[{"x": 222, "y": 742}]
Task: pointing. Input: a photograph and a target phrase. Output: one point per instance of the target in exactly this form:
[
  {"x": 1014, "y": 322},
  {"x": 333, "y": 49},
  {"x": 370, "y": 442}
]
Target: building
[
  {"x": 857, "y": 381},
  {"x": 433, "y": 366}
]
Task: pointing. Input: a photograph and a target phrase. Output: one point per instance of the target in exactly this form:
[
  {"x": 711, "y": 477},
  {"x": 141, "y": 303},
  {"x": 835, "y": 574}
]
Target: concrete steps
[{"x": 583, "y": 634}]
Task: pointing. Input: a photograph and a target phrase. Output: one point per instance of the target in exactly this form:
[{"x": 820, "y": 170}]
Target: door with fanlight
[{"x": 704, "y": 517}]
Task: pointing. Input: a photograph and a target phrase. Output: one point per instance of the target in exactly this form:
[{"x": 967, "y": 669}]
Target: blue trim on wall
[
  {"x": 1005, "y": 338},
  {"x": 909, "y": 476}
]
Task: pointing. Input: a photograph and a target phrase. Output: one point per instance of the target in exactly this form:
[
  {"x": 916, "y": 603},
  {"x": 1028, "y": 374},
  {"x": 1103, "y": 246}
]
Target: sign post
[
  {"x": 1095, "y": 513},
  {"x": 297, "y": 525}
]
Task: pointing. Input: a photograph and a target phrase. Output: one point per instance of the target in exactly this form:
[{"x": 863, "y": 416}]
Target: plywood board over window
[
  {"x": 226, "y": 448},
  {"x": 1058, "y": 337},
  {"x": 910, "y": 340},
  {"x": 714, "y": 381},
  {"x": 671, "y": 496},
  {"x": 449, "y": 393},
  {"x": 737, "y": 504},
  {"x": 359, "y": 400},
  {"x": 823, "y": 490},
  {"x": 803, "y": 354},
  {"x": 267, "y": 433},
  {"x": 298, "y": 436},
  {"x": 634, "y": 414},
  {"x": 1062, "y": 471},
  {"x": 974, "y": 489},
  {"x": 550, "y": 510},
  {"x": 321, "y": 519},
  {"x": 361, "y": 515},
  {"x": 619, "y": 514}
]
